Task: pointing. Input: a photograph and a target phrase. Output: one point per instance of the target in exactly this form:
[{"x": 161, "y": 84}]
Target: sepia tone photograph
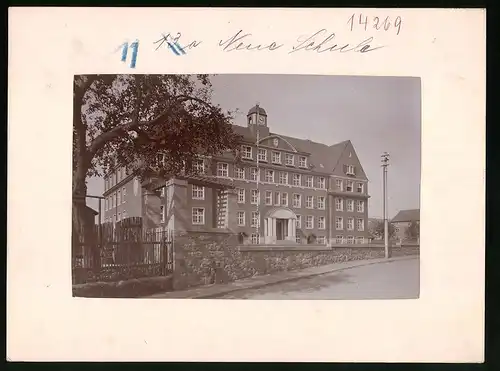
[{"x": 246, "y": 187}]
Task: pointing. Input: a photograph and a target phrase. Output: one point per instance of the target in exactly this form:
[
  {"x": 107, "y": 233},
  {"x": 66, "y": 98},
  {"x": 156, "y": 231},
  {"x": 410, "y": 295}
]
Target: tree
[
  {"x": 121, "y": 120},
  {"x": 377, "y": 230},
  {"x": 413, "y": 230}
]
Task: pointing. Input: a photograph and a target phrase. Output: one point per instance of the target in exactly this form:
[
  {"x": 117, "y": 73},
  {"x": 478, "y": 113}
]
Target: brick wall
[{"x": 202, "y": 258}]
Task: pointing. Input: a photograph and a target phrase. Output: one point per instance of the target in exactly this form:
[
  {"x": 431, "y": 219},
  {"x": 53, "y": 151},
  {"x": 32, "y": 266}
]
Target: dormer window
[
  {"x": 349, "y": 170},
  {"x": 246, "y": 152},
  {"x": 289, "y": 159},
  {"x": 303, "y": 161},
  {"x": 276, "y": 157},
  {"x": 262, "y": 154}
]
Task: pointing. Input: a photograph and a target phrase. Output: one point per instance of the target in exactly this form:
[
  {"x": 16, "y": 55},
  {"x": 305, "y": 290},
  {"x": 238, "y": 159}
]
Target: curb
[{"x": 291, "y": 279}]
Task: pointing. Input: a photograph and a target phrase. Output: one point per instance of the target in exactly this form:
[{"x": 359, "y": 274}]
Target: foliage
[
  {"x": 377, "y": 229},
  {"x": 413, "y": 230},
  {"x": 141, "y": 119}
]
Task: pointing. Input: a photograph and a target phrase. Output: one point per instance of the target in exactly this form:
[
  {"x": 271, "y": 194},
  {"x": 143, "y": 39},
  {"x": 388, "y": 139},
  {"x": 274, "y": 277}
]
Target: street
[{"x": 391, "y": 280}]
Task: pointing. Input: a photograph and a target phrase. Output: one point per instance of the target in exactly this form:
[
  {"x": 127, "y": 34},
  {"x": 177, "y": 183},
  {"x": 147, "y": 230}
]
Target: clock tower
[{"x": 257, "y": 119}]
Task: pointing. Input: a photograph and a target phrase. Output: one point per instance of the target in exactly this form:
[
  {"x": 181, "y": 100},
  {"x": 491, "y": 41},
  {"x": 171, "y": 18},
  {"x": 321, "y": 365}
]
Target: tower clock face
[{"x": 261, "y": 120}]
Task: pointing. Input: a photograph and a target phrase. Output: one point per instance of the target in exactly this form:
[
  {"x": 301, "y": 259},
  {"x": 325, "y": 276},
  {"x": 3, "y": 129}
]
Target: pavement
[{"x": 241, "y": 288}]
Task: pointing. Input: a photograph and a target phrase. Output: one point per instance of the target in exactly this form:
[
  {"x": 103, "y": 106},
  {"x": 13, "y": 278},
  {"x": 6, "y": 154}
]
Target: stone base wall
[{"x": 202, "y": 258}]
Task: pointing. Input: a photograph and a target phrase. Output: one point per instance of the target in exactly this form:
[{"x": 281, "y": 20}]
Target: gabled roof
[
  {"x": 91, "y": 210},
  {"x": 407, "y": 216},
  {"x": 322, "y": 157}
]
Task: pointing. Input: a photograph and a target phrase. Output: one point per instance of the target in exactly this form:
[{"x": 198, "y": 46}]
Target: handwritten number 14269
[{"x": 376, "y": 23}]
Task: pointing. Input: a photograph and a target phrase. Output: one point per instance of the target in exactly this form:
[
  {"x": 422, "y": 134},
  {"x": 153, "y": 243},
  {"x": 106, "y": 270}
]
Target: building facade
[
  {"x": 402, "y": 222},
  {"x": 278, "y": 190}
]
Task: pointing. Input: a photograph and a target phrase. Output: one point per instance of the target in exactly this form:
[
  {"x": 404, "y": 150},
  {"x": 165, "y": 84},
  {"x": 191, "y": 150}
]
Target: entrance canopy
[{"x": 281, "y": 213}]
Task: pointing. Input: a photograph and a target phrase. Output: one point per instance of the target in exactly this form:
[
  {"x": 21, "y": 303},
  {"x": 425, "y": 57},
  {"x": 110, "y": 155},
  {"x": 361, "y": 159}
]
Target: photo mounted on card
[
  {"x": 281, "y": 164},
  {"x": 213, "y": 186}
]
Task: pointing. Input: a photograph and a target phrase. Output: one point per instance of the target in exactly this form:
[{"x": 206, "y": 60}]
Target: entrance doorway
[{"x": 281, "y": 229}]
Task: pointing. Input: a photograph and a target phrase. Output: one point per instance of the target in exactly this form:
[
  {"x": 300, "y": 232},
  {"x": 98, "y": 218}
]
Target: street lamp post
[{"x": 385, "y": 164}]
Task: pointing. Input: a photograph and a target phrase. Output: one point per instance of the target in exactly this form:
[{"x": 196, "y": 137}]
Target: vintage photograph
[{"x": 246, "y": 186}]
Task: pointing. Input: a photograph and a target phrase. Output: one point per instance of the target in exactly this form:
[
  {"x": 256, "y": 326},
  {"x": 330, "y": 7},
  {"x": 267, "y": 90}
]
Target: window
[
  {"x": 241, "y": 196},
  {"x": 349, "y": 170},
  {"x": 106, "y": 184},
  {"x": 298, "y": 222},
  {"x": 162, "y": 192},
  {"x": 321, "y": 202},
  {"x": 222, "y": 169},
  {"x": 118, "y": 198},
  {"x": 310, "y": 202},
  {"x": 124, "y": 215},
  {"x": 199, "y": 166},
  {"x": 254, "y": 173},
  {"x": 241, "y": 218},
  {"x": 350, "y": 224},
  {"x": 276, "y": 157},
  {"x": 322, "y": 183},
  {"x": 269, "y": 197},
  {"x": 246, "y": 152},
  {"x": 124, "y": 193},
  {"x": 198, "y": 192},
  {"x": 350, "y": 205},
  {"x": 339, "y": 223},
  {"x": 262, "y": 155},
  {"x": 339, "y": 239},
  {"x": 239, "y": 173},
  {"x": 284, "y": 199},
  {"x": 349, "y": 187},
  {"x": 255, "y": 219},
  {"x": 297, "y": 201},
  {"x": 360, "y": 207},
  {"x": 321, "y": 240},
  {"x": 254, "y": 200},
  {"x": 118, "y": 176},
  {"x": 339, "y": 204},
  {"x": 359, "y": 188},
  {"x": 277, "y": 198},
  {"x": 309, "y": 222},
  {"x": 340, "y": 184},
  {"x": 114, "y": 199},
  {"x": 321, "y": 222},
  {"x": 283, "y": 178},
  {"x": 360, "y": 224},
  {"x": 360, "y": 240},
  {"x": 297, "y": 237},
  {"x": 289, "y": 159},
  {"x": 296, "y": 179},
  {"x": 309, "y": 181},
  {"x": 255, "y": 238},
  {"x": 162, "y": 214},
  {"x": 119, "y": 216},
  {"x": 198, "y": 215},
  {"x": 302, "y": 161},
  {"x": 270, "y": 176},
  {"x": 106, "y": 204},
  {"x": 350, "y": 240}
]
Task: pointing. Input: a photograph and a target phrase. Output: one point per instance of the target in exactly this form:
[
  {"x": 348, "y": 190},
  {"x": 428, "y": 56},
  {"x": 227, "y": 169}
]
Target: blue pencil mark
[
  {"x": 176, "y": 48},
  {"x": 124, "y": 51},
  {"x": 135, "y": 48}
]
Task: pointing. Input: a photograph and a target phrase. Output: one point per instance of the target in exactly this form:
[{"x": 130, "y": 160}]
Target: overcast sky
[{"x": 376, "y": 113}]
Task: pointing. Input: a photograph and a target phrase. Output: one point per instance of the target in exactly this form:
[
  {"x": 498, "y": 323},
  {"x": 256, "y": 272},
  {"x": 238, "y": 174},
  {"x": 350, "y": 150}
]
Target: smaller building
[{"x": 402, "y": 223}]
